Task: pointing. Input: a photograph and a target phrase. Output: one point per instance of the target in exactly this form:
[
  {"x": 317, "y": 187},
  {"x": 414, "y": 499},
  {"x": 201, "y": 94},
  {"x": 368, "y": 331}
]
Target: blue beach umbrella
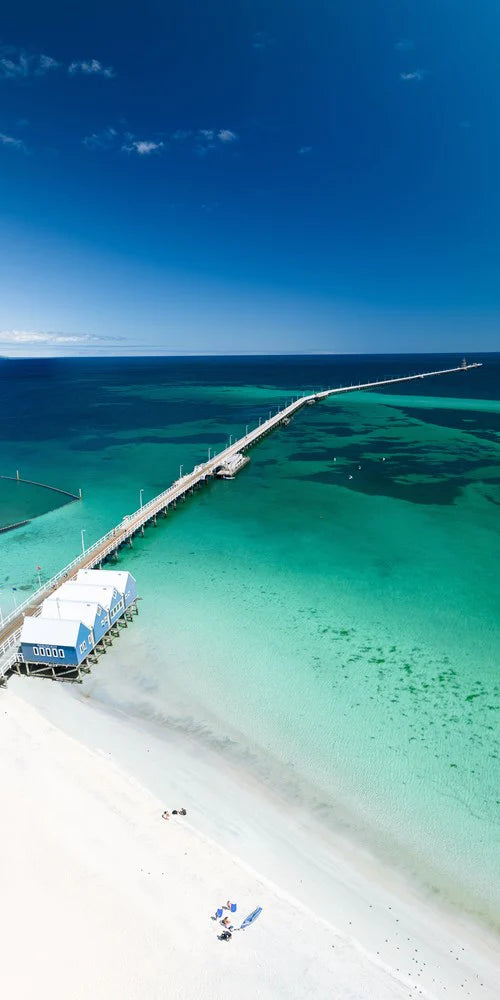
[{"x": 251, "y": 917}]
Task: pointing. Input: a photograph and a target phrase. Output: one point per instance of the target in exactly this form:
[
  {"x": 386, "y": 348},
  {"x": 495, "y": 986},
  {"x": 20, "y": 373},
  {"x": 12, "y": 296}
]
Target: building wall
[
  {"x": 101, "y": 625},
  {"x": 72, "y": 656},
  {"x": 117, "y": 607},
  {"x": 130, "y": 591},
  {"x": 38, "y": 654}
]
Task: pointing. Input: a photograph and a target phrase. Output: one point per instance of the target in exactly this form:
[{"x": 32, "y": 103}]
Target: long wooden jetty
[{"x": 108, "y": 545}]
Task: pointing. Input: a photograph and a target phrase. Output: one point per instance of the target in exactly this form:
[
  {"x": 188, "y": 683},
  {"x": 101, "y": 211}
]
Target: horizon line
[{"x": 240, "y": 354}]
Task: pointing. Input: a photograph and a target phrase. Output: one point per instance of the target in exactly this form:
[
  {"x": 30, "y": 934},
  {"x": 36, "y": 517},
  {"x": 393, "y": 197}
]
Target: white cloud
[
  {"x": 10, "y": 142},
  {"x": 111, "y": 138},
  {"x": 143, "y": 147},
  {"x": 18, "y": 64},
  {"x": 201, "y": 142},
  {"x": 101, "y": 140},
  {"x": 15, "y": 64},
  {"x": 91, "y": 67},
  {"x": 205, "y": 140},
  {"x": 10, "y": 68},
  {"x": 417, "y": 74},
  {"x": 32, "y": 337},
  {"x": 304, "y": 150},
  {"x": 47, "y": 62},
  {"x": 225, "y": 135},
  {"x": 404, "y": 45}
]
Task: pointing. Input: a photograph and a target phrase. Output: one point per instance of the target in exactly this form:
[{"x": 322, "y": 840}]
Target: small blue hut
[
  {"x": 108, "y": 597},
  {"x": 123, "y": 581},
  {"x": 92, "y": 614},
  {"x": 55, "y": 641}
]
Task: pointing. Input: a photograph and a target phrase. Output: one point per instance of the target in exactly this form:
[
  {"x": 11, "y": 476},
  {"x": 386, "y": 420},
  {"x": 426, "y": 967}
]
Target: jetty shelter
[
  {"x": 55, "y": 641},
  {"x": 92, "y": 614},
  {"x": 123, "y": 581},
  {"x": 107, "y": 597}
]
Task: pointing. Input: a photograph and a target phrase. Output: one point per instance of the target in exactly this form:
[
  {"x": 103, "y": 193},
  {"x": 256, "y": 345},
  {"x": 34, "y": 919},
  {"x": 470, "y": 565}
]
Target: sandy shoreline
[{"x": 108, "y": 900}]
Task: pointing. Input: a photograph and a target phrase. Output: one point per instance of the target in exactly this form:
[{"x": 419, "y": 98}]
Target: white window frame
[
  {"x": 61, "y": 654},
  {"x": 54, "y": 651},
  {"x": 35, "y": 651},
  {"x": 41, "y": 651}
]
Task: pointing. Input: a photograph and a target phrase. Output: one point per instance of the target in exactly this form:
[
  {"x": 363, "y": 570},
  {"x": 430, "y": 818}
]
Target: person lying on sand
[
  {"x": 165, "y": 815},
  {"x": 225, "y": 936}
]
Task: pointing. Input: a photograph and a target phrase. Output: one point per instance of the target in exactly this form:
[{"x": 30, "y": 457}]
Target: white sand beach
[{"x": 102, "y": 898}]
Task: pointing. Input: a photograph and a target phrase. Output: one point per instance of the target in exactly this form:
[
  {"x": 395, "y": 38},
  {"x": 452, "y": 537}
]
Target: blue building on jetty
[
  {"x": 123, "y": 582},
  {"x": 55, "y": 641},
  {"x": 91, "y": 614},
  {"x": 107, "y": 596},
  {"x": 75, "y": 619}
]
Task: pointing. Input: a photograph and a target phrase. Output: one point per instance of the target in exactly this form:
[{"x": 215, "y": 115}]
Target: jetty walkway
[{"x": 108, "y": 545}]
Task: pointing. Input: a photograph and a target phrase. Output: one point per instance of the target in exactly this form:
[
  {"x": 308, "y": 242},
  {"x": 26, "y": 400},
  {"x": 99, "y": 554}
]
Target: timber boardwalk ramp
[{"x": 108, "y": 545}]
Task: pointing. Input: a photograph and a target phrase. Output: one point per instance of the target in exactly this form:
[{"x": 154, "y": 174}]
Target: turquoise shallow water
[
  {"x": 21, "y": 501},
  {"x": 337, "y": 636}
]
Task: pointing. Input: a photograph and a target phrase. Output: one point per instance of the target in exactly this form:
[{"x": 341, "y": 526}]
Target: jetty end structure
[{"x": 226, "y": 463}]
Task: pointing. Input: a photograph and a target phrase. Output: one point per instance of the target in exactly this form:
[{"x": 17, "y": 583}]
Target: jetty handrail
[
  {"x": 130, "y": 523},
  {"x": 54, "y": 579},
  {"x": 129, "y": 519}
]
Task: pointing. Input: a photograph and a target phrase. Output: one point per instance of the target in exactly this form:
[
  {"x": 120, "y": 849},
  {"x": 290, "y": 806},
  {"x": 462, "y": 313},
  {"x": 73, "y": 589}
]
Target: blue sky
[{"x": 249, "y": 176}]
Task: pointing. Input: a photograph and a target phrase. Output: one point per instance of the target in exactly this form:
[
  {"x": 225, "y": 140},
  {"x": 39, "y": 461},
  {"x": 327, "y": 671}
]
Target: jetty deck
[{"x": 108, "y": 545}]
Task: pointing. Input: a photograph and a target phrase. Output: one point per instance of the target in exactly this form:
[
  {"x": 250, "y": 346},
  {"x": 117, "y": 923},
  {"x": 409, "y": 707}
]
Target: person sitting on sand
[
  {"x": 165, "y": 815},
  {"x": 178, "y": 812},
  {"x": 225, "y": 936},
  {"x": 226, "y": 922}
]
